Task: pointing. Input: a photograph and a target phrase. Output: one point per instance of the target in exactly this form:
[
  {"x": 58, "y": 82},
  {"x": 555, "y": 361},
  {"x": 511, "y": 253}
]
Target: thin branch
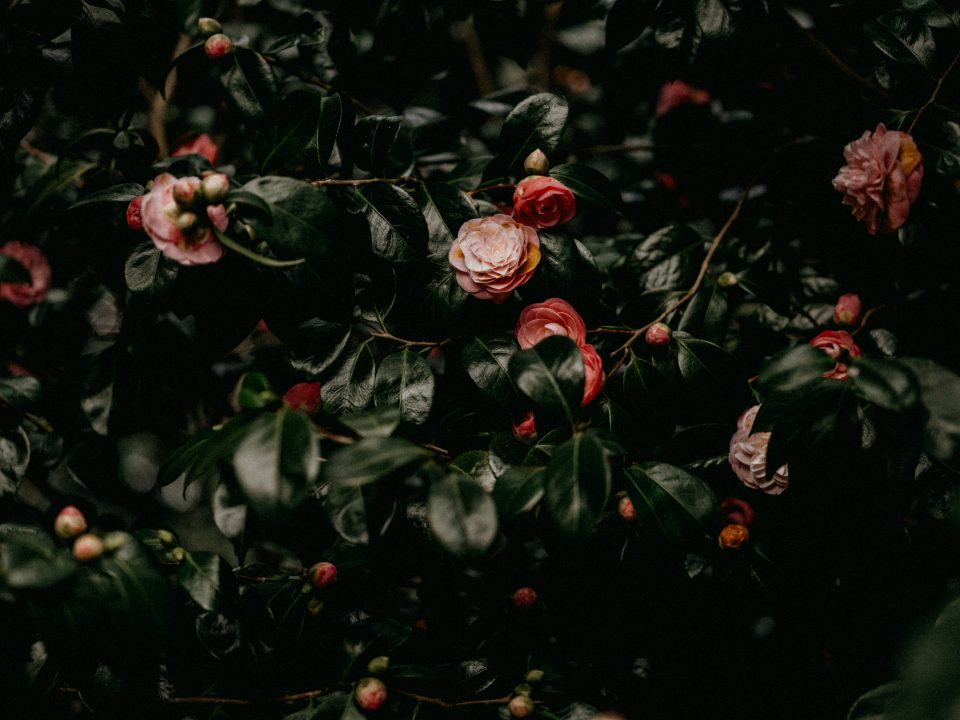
[
  {"x": 933, "y": 96},
  {"x": 228, "y": 242},
  {"x": 365, "y": 181},
  {"x": 490, "y": 187},
  {"x": 410, "y": 343},
  {"x": 314, "y": 80},
  {"x": 450, "y": 705},
  {"x": 478, "y": 61}
]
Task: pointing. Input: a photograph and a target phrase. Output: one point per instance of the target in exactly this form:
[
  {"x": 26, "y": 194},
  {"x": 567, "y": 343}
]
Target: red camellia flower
[
  {"x": 30, "y": 256},
  {"x": 551, "y": 317},
  {"x": 677, "y": 93},
  {"x": 542, "y": 202},
  {"x": 525, "y": 429},
  {"x": 592, "y": 374},
  {"x": 134, "y": 213},
  {"x": 303, "y": 396},
  {"x": 847, "y": 311},
  {"x": 493, "y": 255},
  {"x": 881, "y": 179},
  {"x": 525, "y": 597},
  {"x": 323, "y": 574},
  {"x": 748, "y": 457},
  {"x": 181, "y": 235},
  {"x": 202, "y": 145},
  {"x": 839, "y": 345},
  {"x": 736, "y": 510}
]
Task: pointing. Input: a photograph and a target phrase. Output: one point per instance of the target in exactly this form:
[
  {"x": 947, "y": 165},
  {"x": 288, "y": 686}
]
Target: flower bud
[
  {"x": 847, "y": 311},
  {"x": 186, "y": 191},
  {"x": 736, "y": 510},
  {"x": 113, "y": 541},
  {"x": 626, "y": 509},
  {"x": 134, "y": 218},
  {"x": 524, "y": 598},
  {"x": 534, "y": 676},
  {"x": 536, "y": 163},
  {"x": 215, "y": 187},
  {"x": 178, "y": 554},
  {"x": 315, "y": 606},
  {"x": 218, "y": 46},
  {"x": 87, "y": 548},
  {"x": 370, "y": 693},
  {"x": 208, "y": 26},
  {"x": 323, "y": 574},
  {"x": 658, "y": 335},
  {"x": 187, "y": 221},
  {"x": 378, "y": 665},
  {"x": 303, "y": 396},
  {"x": 727, "y": 279},
  {"x": 733, "y": 536},
  {"x": 521, "y": 706},
  {"x": 523, "y": 689},
  {"x": 70, "y": 523},
  {"x": 166, "y": 537}
]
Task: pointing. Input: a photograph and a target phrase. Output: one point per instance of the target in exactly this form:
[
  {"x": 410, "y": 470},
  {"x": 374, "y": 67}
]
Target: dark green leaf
[
  {"x": 19, "y": 392},
  {"x": 117, "y": 193},
  {"x": 885, "y": 382},
  {"x": 708, "y": 368},
  {"x": 518, "y": 489},
  {"x": 254, "y": 391},
  {"x": 794, "y": 368},
  {"x": 668, "y": 259},
  {"x": 589, "y": 185},
  {"x": 398, "y": 231},
  {"x": 378, "y": 422},
  {"x": 487, "y": 363},
  {"x": 462, "y": 515},
  {"x": 14, "y": 459},
  {"x": 670, "y": 499},
  {"x": 375, "y": 137},
  {"x": 445, "y": 208},
  {"x": 536, "y": 123},
  {"x": 229, "y": 511},
  {"x": 371, "y": 459},
  {"x": 30, "y": 560},
  {"x": 250, "y": 83},
  {"x": 551, "y": 375},
  {"x": 940, "y": 390},
  {"x": 304, "y": 220},
  {"x": 12, "y": 271},
  {"x": 207, "y": 578},
  {"x": 577, "y": 484},
  {"x": 404, "y": 379},
  {"x": 148, "y": 271},
  {"x": 876, "y": 704},
  {"x": 902, "y": 36},
  {"x": 351, "y": 389}
]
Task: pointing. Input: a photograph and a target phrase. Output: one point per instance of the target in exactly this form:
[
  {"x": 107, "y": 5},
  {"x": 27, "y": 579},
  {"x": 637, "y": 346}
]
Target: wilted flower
[
  {"x": 35, "y": 262},
  {"x": 748, "y": 457}
]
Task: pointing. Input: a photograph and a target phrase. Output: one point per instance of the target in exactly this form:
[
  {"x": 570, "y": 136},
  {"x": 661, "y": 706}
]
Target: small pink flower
[
  {"x": 677, "y": 93},
  {"x": 218, "y": 46},
  {"x": 748, "y": 457},
  {"x": 542, "y": 202},
  {"x": 551, "y": 317},
  {"x": 134, "y": 217},
  {"x": 160, "y": 213},
  {"x": 736, "y": 510},
  {"x": 847, "y": 311},
  {"x": 658, "y": 334},
  {"x": 303, "y": 396},
  {"x": 370, "y": 694},
  {"x": 881, "y": 179},
  {"x": 839, "y": 345},
  {"x": 492, "y": 256},
  {"x": 525, "y": 429},
  {"x": 592, "y": 374},
  {"x": 202, "y": 145},
  {"x": 70, "y": 523},
  {"x": 26, "y": 294},
  {"x": 323, "y": 574}
]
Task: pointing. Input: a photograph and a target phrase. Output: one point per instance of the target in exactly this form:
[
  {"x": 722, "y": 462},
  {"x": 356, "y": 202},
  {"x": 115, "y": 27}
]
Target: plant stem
[
  {"x": 933, "y": 96},
  {"x": 383, "y": 335},
  {"x": 365, "y": 181},
  {"x": 256, "y": 257}
]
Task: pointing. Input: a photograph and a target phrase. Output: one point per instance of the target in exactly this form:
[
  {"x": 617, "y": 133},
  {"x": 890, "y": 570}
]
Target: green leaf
[
  {"x": 936, "y": 13},
  {"x": 398, "y": 231},
  {"x": 940, "y": 391},
  {"x": 876, "y": 704},
  {"x": 577, "y": 484},
  {"x": 229, "y": 511},
  {"x": 672, "y": 500},
  {"x": 12, "y": 271},
  {"x": 276, "y": 462},
  {"x": 370, "y": 460},
  {"x": 445, "y": 208},
  {"x": 147, "y": 271},
  {"x": 31, "y": 560},
  {"x": 710, "y": 370},
  {"x": 201, "y": 454},
  {"x": 668, "y": 259},
  {"x": 589, "y": 185},
  {"x": 304, "y": 220},
  {"x": 207, "y": 579},
  {"x": 124, "y": 192},
  {"x": 646, "y": 394},
  {"x": 19, "y": 392},
  {"x": 536, "y": 123},
  {"x": 254, "y": 391},
  {"x": 626, "y": 20},
  {"x": 14, "y": 459},
  {"x": 250, "y": 83},
  {"x": 351, "y": 389},
  {"x": 377, "y": 422},
  {"x": 706, "y": 314},
  {"x": 404, "y": 379},
  {"x": 375, "y": 137},
  {"x": 793, "y": 368},
  {"x": 487, "y": 363},
  {"x": 885, "y": 382},
  {"x": 462, "y": 515},
  {"x": 51, "y": 183},
  {"x": 903, "y": 37},
  {"x": 518, "y": 489},
  {"x": 328, "y": 128},
  {"x": 551, "y": 375}
]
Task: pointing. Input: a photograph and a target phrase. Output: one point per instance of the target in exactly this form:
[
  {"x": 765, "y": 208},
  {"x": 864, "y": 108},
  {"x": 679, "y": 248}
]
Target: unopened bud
[
  {"x": 187, "y": 221},
  {"x": 178, "y": 554},
  {"x": 370, "y": 693},
  {"x": 87, "y": 548},
  {"x": 323, "y": 574},
  {"x": 521, "y": 706},
  {"x": 134, "y": 216},
  {"x": 523, "y": 689},
  {"x": 626, "y": 509},
  {"x": 727, "y": 279},
  {"x": 534, "y": 676},
  {"x": 658, "y": 335},
  {"x": 733, "y": 536},
  {"x": 315, "y": 606},
  {"x": 536, "y": 163},
  {"x": 166, "y": 537},
  {"x": 378, "y": 665},
  {"x": 218, "y": 46},
  {"x": 525, "y": 597},
  {"x": 70, "y": 523},
  {"x": 186, "y": 191},
  {"x": 208, "y": 26},
  {"x": 215, "y": 187},
  {"x": 847, "y": 311},
  {"x": 114, "y": 541}
]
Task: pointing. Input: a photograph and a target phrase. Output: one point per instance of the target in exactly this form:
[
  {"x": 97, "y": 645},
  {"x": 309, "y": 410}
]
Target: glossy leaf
[
  {"x": 577, "y": 484},
  {"x": 487, "y": 362},
  {"x": 404, "y": 380},
  {"x": 670, "y": 499},
  {"x": 371, "y": 459},
  {"x": 462, "y": 515},
  {"x": 550, "y": 374}
]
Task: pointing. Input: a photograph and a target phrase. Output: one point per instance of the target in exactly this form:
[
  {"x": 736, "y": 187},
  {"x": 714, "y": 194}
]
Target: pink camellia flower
[
  {"x": 134, "y": 213},
  {"x": 677, "y": 93},
  {"x": 26, "y": 294},
  {"x": 736, "y": 510},
  {"x": 839, "y": 345},
  {"x": 162, "y": 217},
  {"x": 881, "y": 179},
  {"x": 525, "y": 429},
  {"x": 551, "y": 317},
  {"x": 303, "y": 396},
  {"x": 847, "y": 311},
  {"x": 492, "y": 256},
  {"x": 202, "y": 145},
  {"x": 542, "y": 202},
  {"x": 370, "y": 694},
  {"x": 748, "y": 457},
  {"x": 592, "y": 374}
]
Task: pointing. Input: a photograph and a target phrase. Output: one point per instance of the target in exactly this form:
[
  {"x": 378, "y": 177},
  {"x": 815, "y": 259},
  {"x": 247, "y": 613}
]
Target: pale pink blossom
[
  {"x": 748, "y": 457},
  {"x": 202, "y": 145},
  {"x": 677, "y": 93},
  {"x": 492, "y": 256},
  {"x": 160, "y": 213}
]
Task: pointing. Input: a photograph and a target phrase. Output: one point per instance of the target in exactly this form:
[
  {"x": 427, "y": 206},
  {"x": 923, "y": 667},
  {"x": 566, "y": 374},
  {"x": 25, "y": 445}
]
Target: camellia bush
[{"x": 424, "y": 359}]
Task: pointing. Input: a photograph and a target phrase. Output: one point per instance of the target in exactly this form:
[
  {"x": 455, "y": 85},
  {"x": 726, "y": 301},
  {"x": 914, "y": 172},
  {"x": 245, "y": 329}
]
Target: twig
[
  {"x": 490, "y": 187},
  {"x": 158, "y": 102},
  {"x": 933, "y": 96},
  {"x": 449, "y": 705},
  {"x": 365, "y": 181},
  {"x": 334, "y": 437},
  {"x": 32, "y": 151},
  {"x": 478, "y": 62},
  {"x": 866, "y": 317},
  {"x": 410, "y": 343}
]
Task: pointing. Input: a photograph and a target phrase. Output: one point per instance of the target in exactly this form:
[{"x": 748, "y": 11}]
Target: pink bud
[
  {"x": 323, "y": 574},
  {"x": 847, "y": 311},
  {"x": 186, "y": 191},
  {"x": 134, "y": 219},
  {"x": 525, "y": 429},
  {"x": 370, "y": 694},
  {"x": 736, "y": 510},
  {"x": 218, "y": 46},
  {"x": 658, "y": 335},
  {"x": 70, "y": 523},
  {"x": 524, "y": 598},
  {"x": 626, "y": 509},
  {"x": 521, "y": 706},
  {"x": 215, "y": 187},
  {"x": 303, "y": 396},
  {"x": 87, "y": 547}
]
